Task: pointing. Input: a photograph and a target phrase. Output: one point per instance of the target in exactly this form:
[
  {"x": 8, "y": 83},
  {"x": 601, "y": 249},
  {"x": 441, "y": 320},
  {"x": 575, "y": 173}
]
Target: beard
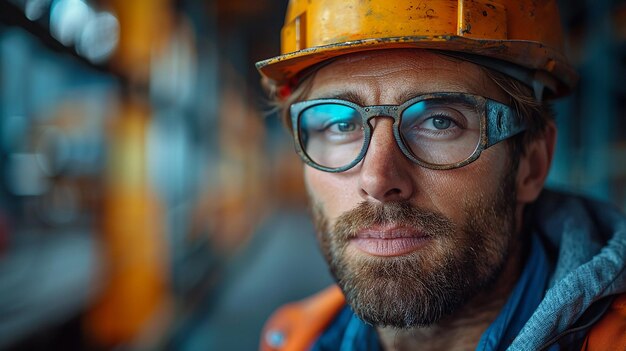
[{"x": 419, "y": 288}]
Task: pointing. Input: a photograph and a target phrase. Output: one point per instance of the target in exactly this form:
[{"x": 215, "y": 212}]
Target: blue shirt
[{"x": 348, "y": 333}]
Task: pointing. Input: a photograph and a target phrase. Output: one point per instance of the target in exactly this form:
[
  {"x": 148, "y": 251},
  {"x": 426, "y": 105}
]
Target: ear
[{"x": 534, "y": 165}]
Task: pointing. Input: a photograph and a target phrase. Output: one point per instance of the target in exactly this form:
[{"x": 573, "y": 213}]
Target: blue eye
[
  {"x": 438, "y": 123},
  {"x": 330, "y": 116},
  {"x": 342, "y": 127},
  {"x": 331, "y": 123}
]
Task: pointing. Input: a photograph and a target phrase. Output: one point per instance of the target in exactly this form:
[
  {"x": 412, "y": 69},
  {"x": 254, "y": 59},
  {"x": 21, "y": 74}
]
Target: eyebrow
[
  {"x": 348, "y": 96},
  {"x": 407, "y": 95},
  {"x": 359, "y": 100}
]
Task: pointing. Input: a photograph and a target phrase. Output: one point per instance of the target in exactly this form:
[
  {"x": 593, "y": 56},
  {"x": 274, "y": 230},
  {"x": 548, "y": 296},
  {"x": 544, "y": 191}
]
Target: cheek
[
  {"x": 336, "y": 192},
  {"x": 447, "y": 192},
  {"x": 450, "y": 191}
]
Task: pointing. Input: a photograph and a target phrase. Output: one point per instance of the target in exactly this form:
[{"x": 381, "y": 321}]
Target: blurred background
[{"x": 149, "y": 197}]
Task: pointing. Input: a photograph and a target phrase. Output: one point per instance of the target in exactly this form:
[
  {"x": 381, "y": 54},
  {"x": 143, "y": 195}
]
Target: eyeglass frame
[{"x": 498, "y": 122}]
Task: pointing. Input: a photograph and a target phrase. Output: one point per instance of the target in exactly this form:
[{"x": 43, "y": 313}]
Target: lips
[{"x": 389, "y": 241}]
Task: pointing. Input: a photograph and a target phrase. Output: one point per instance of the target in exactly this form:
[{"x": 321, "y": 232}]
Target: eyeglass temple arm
[{"x": 502, "y": 123}]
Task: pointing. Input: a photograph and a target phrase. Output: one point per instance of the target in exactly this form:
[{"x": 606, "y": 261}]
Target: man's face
[{"x": 407, "y": 244}]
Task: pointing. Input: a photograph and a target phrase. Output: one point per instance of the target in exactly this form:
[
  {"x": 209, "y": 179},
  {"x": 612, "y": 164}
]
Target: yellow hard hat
[{"x": 525, "y": 34}]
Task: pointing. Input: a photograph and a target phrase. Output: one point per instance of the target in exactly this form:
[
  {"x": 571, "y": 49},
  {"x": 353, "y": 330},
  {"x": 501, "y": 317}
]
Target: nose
[{"x": 385, "y": 173}]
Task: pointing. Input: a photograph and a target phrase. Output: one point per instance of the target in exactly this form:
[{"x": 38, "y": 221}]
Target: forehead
[{"x": 393, "y": 76}]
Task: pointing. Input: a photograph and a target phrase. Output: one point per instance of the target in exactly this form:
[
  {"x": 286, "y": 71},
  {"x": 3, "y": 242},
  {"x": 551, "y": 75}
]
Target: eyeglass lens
[{"x": 438, "y": 131}]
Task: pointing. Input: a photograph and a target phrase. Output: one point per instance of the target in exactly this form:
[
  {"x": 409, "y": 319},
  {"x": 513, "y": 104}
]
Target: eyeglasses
[{"x": 437, "y": 131}]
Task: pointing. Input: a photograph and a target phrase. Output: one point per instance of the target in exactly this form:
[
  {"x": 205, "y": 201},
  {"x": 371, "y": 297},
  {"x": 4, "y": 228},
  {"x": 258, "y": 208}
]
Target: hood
[{"x": 586, "y": 240}]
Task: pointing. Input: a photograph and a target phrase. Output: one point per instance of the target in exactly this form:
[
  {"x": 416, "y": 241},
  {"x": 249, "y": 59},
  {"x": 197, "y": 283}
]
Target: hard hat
[{"x": 522, "y": 38}]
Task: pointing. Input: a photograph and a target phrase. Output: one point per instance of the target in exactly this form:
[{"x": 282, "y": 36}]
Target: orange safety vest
[
  {"x": 610, "y": 331},
  {"x": 296, "y": 326}
]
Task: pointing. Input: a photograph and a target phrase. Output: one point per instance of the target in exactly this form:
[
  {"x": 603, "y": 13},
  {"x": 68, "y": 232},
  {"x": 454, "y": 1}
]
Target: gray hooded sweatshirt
[{"x": 586, "y": 240}]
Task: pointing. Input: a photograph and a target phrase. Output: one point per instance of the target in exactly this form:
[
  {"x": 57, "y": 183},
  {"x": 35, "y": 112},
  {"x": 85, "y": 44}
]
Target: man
[{"x": 427, "y": 137}]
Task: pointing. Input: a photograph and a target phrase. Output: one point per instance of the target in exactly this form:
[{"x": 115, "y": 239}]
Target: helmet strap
[{"x": 537, "y": 80}]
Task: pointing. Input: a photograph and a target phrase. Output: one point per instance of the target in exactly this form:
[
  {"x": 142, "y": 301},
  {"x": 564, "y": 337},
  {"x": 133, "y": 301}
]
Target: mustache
[{"x": 368, "y": 214}]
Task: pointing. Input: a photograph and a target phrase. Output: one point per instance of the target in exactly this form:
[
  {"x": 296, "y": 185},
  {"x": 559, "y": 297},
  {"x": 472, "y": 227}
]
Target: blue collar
[
  {"x": 349, "y": 333},
  {"x": 524, "y": 299}
]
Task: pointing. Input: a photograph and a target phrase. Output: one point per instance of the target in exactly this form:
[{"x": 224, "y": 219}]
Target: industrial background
[{"x": 149, "y": 197}]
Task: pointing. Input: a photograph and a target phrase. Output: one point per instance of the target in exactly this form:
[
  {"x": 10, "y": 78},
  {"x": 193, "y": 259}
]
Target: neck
[{"x": 463, "y": 329}]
